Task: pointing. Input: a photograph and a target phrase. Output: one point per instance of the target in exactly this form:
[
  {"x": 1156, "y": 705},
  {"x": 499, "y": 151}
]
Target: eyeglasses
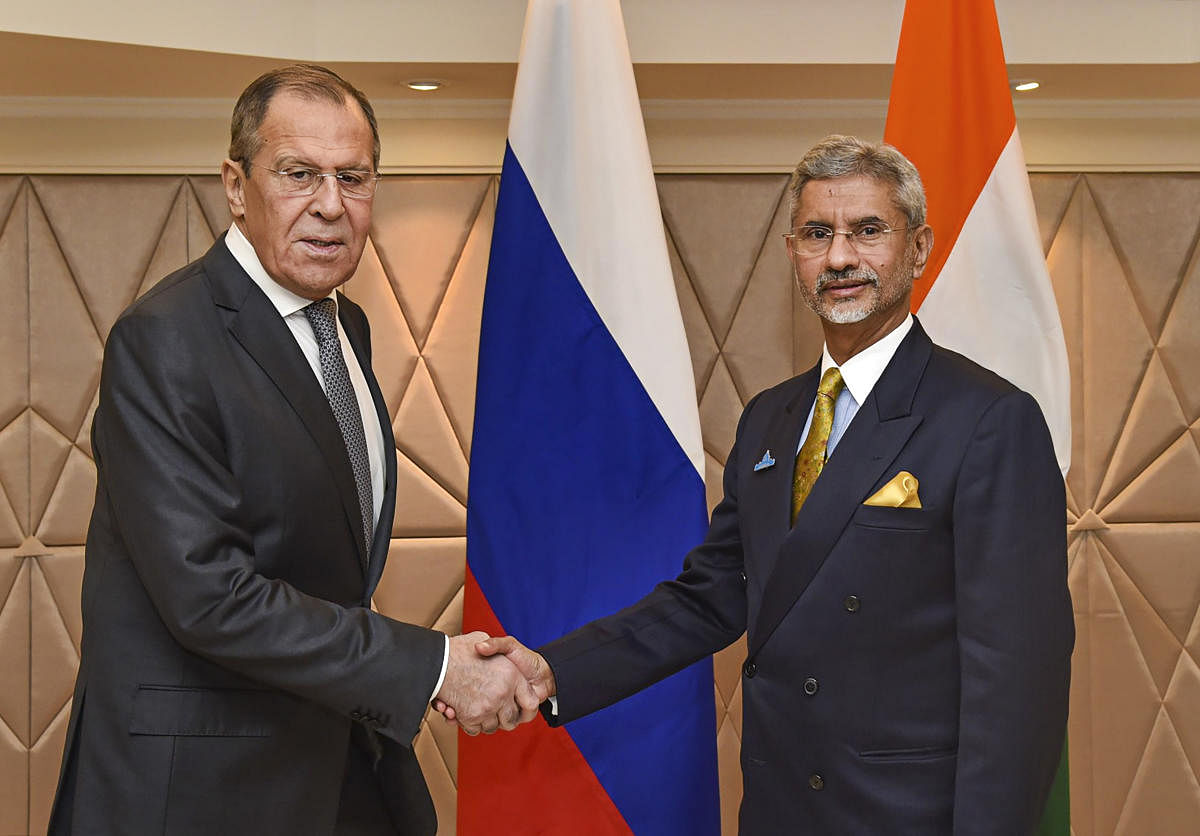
[
  {"x": 296, "y": 181},
  {"x": 816, "y": 240}
]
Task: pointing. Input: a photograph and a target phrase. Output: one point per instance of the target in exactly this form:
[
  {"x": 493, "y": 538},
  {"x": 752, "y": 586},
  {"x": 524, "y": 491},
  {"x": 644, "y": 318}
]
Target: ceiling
[
  {"x": 694, "y": 50},
  {"x": 146, "y": 86},
  {"x": 39, "y": 65}
]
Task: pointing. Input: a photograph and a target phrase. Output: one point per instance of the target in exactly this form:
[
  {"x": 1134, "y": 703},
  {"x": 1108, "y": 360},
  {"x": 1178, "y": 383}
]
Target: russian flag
[
  {"x": 986, "y": 291},
  {"x": 586, "y": 483}
]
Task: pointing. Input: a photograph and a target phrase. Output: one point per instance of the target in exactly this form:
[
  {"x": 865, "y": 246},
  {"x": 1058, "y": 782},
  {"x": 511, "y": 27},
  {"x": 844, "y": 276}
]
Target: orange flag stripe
[{"x": 950, "y": 111}]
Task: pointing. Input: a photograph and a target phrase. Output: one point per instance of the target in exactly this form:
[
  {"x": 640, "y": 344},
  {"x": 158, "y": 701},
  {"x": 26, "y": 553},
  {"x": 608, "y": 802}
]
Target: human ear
[
  {"x": 234, "y": 178},
  {"x": 922, "y": 242}
]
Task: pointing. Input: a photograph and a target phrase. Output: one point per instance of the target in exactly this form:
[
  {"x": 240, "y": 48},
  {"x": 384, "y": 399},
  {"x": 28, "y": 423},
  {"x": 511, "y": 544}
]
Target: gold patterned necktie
[{"x": 811, "y": 457}]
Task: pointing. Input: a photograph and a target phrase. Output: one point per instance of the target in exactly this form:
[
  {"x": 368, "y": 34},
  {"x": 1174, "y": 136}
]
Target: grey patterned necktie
[{"x": 345, "y": 406}]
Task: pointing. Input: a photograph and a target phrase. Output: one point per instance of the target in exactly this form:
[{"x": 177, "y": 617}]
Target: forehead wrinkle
[{"x": 285, "y": 153}]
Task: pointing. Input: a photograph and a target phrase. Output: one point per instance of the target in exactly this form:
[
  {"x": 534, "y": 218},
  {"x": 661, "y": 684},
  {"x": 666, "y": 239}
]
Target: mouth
[
  {"x": 846, "y": 286},
  {"x": 322, "y": 246}
]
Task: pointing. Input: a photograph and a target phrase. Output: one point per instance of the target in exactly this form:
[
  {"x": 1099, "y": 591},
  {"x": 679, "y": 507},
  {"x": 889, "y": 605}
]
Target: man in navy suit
[
  {"x": 908, "y": 620},
  {"x": 233, "y": 677}
]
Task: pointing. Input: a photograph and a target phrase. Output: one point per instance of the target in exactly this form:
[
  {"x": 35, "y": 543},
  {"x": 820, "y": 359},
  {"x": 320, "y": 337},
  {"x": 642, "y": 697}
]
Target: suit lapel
[
  {"x": 256, "y": 325},
  {"x": 361, "y": 343},
  {"x": 874, "y": 438},
  {"x": 772, "y": 507}
]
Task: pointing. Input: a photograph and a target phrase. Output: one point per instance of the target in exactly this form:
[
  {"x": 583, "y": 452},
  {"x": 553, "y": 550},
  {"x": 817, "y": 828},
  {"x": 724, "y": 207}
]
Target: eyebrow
[
  {"x": 866, "y": 219},
  {"x": 292, "y": 161}
]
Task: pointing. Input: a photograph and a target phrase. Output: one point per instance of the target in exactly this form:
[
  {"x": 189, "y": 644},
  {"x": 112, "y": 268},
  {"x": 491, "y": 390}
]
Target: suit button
[
  {"x": 356, "y": 714},
  {"x": 816, "y": 781},
  {"x": 851, "y": 603},
  {"x": 742, "y": 575},
  {"x": 810, "y": 686},
  {"x": 749, "y": 668}
]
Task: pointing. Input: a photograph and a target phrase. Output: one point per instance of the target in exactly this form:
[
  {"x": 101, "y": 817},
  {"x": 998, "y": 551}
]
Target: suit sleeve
[
  {"x": 184, "y": 521},
  {"x": 1015, "y": 625},
  {"x": 678, "y": 623}
]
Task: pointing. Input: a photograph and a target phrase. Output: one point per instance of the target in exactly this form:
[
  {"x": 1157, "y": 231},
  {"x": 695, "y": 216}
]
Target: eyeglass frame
[
  {"x": 885, "y": 230},
  {"x": 373, "y": 178}
]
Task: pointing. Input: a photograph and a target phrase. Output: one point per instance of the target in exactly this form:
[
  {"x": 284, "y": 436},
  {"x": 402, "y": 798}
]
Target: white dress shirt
[
  {"x": 860, "y": 374},
  {"x": 291, "y": 308}
]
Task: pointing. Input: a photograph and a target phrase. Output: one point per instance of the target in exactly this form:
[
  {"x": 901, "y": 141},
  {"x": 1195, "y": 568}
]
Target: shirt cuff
[{"x": 442, "y": 675}]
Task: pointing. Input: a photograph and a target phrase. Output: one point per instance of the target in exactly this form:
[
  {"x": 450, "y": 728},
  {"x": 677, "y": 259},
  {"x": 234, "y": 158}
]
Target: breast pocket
[
  {"x": 895, "y": 519},
  {"x": 904, "y": 556}
]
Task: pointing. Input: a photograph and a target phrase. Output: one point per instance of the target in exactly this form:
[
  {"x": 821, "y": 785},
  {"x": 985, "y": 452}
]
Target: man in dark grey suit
[
  {"x": 233, "y": 677},
  {"x": 892, "y": 539}
]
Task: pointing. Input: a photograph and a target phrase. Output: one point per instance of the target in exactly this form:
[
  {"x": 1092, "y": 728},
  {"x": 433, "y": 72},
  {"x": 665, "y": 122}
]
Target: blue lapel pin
[{"x": 765, "y": 462}]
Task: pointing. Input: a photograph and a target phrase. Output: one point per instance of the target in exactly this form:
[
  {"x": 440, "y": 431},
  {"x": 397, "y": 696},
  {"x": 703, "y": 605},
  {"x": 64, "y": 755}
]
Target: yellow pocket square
[{"x": 901, "y": 492}]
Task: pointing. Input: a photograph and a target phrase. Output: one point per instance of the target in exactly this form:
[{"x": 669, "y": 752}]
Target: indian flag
[{"x": 986, "y": 291}]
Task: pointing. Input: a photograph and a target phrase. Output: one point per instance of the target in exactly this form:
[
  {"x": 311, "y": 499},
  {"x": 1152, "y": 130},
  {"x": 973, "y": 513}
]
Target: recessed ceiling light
[
  {"x": 425, "y": 85},
  {"x": 1024, "y": 86}
]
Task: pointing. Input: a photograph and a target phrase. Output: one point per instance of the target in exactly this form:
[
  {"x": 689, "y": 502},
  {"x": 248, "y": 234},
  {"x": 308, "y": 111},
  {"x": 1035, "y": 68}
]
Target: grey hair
[
  {"x": 847, "y": 156},
  {"x": 311, "y": 81}
]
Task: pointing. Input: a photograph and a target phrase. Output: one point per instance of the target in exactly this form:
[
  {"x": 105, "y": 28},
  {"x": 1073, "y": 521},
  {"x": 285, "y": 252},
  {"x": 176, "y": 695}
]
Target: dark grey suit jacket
[
  {"x": 908, "y": 668},
  {"x": 228, "y": 644}
]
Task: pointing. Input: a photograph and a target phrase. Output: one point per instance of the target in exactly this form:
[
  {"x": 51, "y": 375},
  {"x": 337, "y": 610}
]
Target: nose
[
  {"x": 841, "y": 254},
  {"x": 327, "y": 200}
]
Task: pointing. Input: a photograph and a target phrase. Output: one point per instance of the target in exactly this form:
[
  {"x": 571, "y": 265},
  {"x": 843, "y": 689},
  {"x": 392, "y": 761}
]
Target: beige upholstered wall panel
[{"x": 1123, "y": 256}]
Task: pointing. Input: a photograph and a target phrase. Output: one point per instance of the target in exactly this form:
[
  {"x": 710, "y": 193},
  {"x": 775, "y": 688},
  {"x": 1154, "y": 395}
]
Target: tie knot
[
  {"x": 321, "y": 316},
  {"x": 831, "y": 383}
]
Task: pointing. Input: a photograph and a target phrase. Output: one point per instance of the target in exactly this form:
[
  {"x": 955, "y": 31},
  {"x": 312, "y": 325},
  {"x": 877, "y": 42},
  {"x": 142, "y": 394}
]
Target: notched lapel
[
  {"x": 360, "y": 343},
  {"x": 870, "y": 444},
  {"x": 258, "y": 328}
]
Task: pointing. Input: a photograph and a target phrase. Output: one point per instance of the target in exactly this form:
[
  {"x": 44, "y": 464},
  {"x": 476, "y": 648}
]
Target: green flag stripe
[{"x": 1056, "y": 820}]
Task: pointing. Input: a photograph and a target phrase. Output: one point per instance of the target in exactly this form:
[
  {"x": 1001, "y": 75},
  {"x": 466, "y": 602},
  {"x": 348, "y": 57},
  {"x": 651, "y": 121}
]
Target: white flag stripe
[
  {"x": 993, "y": 300},
  {"x": 579, "y": 137}
]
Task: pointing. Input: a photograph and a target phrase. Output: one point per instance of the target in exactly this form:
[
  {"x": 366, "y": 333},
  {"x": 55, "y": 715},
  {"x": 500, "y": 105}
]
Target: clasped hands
[{"x": 492, "y": 683}]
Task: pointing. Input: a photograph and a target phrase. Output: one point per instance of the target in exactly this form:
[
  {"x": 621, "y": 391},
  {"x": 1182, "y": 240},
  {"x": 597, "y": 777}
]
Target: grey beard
[{"x": 847, "y": 314}]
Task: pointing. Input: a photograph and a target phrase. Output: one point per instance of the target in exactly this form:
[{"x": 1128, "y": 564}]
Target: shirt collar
[
  {"x": 862, "y": 371},
  {"x": 286, "y": 302}
]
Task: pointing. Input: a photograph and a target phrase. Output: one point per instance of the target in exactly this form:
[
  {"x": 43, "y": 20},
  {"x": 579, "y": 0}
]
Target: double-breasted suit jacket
[
  {"x": 907, "y": 668},
  {"x": 228, "y": 644}
]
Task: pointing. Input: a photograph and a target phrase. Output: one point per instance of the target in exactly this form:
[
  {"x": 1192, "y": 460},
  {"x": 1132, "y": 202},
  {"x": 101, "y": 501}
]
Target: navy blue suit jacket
[{"x": 908, "y": 668}]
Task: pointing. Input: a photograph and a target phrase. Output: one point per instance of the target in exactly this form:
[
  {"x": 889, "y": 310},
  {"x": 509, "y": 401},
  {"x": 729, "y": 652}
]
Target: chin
[
  {"x": 845, "y": 314},
  {"x": 317, "y": 287}
]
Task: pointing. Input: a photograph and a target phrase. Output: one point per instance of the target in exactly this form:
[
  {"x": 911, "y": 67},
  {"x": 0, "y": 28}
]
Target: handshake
[{"x": 492, "y": 683}]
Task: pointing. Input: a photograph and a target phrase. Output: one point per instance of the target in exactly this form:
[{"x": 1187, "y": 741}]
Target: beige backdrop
[{"x": 74, "y": 250}]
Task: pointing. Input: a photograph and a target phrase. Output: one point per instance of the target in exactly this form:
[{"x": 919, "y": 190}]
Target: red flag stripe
[
  {"x": 538, "y": 780},
  {"x": 955, "y": 147}
]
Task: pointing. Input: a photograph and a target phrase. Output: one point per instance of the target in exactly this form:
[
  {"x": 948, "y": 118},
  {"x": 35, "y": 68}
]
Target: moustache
[{"x": 857, "y": 274}]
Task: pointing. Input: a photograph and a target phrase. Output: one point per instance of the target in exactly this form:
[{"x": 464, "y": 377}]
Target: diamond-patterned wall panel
[
  {"x": 15, "y": 692},
  {"x": 1123, "y": 256},
  {"x": 14, "y": 481},
  {"x": 14, "y": 364},
  {"x": 1122, "y": 251}
]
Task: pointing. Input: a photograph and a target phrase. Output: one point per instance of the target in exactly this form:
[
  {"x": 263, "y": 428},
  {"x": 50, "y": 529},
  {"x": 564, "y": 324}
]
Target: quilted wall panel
[{"x": 74, "y": 250}]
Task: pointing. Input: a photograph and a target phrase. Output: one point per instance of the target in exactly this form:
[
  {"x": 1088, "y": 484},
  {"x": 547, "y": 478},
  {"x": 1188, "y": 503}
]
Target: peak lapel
[
  {"x": 874, "y": 438},
  {"x": 256, "y": 325},
  {"x": 772, "y": 516}
]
